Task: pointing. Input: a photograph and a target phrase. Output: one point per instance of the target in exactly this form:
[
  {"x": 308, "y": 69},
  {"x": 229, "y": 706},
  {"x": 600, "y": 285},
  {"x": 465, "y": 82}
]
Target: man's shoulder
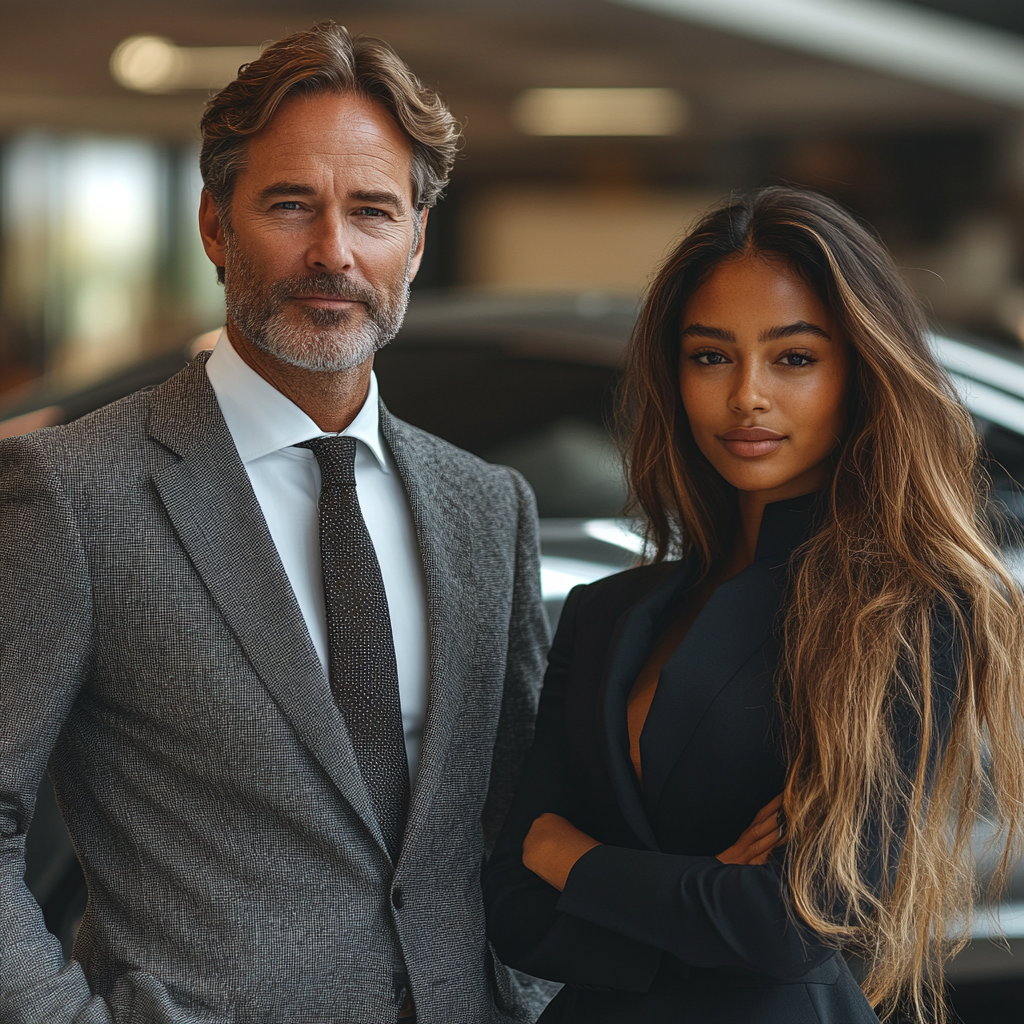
[
  {"x": 98, "y": 433},
  {"x": 115, "y": 433}
]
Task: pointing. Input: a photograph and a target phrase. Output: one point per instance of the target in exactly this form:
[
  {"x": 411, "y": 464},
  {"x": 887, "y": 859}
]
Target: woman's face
[{"x": 763, "y": 374}]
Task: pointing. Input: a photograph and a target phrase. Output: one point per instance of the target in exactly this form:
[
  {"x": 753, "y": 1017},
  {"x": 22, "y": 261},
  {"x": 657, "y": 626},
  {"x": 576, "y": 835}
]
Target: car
[{"x": 530, "y": 381}]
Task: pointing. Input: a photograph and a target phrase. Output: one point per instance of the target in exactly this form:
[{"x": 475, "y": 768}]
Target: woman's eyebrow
[
  {"x": 800, "y": 327},
  {"x": 698, "y": 330}
]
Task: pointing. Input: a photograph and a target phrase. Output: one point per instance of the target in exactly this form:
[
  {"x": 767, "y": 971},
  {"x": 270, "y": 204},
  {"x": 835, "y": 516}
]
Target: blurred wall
[
  {"x": 100, "y": 262},
  {"x": 565, "y": 238}
]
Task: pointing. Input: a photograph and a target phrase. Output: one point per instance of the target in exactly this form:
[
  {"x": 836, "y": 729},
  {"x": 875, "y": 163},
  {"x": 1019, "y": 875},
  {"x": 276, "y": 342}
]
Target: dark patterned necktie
[{"x": 361, "y": 649}]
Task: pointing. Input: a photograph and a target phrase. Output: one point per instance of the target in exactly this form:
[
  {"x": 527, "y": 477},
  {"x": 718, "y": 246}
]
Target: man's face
[{"x": 323, "y": 240}]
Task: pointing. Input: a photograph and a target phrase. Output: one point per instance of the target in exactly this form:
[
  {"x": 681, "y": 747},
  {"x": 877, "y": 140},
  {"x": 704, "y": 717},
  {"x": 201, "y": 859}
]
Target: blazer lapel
[
  {"x": 732, "y": 627},
  {"x": 218, "y": 520},
  {"x": 629, "y": 649},
  {"x": 445, "y": 536}
]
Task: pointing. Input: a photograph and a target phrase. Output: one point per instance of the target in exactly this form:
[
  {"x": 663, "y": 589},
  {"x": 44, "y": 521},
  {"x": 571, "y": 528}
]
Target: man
[{"x": 229, "y": 685}]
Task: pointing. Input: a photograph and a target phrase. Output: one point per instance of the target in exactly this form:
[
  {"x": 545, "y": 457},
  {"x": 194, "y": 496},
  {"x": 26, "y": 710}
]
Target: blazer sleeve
[
  {"x": 528, "y": 639},
  {"x": 702, "y": 912},
  {"x": 45, "y": 652},
  {"x": 524, "y": 922}
]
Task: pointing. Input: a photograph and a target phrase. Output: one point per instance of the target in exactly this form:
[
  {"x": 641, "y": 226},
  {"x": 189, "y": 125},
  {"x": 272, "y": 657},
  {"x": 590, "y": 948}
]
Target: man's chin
[{"x": 322, "y": 355}]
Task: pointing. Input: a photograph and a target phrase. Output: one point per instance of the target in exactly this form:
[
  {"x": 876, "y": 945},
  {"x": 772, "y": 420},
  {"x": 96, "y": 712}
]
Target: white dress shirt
[{"x": 264, "y": 425}]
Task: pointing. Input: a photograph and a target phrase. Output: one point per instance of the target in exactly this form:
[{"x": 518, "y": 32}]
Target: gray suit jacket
[{"x": 152, "y": 650}]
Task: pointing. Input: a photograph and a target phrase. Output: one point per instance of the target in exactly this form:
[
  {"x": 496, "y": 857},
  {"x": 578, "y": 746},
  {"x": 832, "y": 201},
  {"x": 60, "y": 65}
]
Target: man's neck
[{"x": 330, "y": 400}]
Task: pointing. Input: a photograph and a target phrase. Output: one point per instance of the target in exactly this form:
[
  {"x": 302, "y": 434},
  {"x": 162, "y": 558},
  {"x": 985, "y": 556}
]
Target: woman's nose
[{"x": 750, "y": 392}]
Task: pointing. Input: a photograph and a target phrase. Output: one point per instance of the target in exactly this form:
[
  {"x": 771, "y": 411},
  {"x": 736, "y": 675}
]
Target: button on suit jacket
[{"x": 152, "y": 651}]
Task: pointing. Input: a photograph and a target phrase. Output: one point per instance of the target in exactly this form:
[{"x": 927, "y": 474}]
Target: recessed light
[
  {"x": 601, "y": 112},
  {"x": 155, "y": 64}
]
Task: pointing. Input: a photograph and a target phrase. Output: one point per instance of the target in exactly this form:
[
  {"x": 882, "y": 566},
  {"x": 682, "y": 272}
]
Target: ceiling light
[
  {"x": 895, "y": 38},
  {"x": 155, "y": 64},
  {"x": 601, "y": 112}
]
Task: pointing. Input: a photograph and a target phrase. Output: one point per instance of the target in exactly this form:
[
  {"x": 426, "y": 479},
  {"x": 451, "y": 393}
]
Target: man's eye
[
  {"x": 289, "y": 204},
  {"x": 370, "y": 211}
]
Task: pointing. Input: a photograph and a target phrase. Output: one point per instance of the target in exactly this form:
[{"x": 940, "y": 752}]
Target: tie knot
[{"x": 337, "y": 459}]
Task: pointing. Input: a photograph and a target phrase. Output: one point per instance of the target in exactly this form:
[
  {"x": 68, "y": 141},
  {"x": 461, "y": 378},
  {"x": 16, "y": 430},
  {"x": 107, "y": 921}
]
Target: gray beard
[{"x": 322, "y": 340}]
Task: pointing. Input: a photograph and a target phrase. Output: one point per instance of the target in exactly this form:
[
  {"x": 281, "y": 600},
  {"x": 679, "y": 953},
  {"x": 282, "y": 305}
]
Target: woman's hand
[
  {"x": 552, "y": 847},
  {"x": 759, "y": 839}
]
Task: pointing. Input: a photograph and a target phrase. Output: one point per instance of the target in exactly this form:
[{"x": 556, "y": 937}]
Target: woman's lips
[{"x": 749, "y": 442}]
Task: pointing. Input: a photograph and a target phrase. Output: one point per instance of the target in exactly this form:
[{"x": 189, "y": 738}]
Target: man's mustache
[{"x": 331, "y": 286}]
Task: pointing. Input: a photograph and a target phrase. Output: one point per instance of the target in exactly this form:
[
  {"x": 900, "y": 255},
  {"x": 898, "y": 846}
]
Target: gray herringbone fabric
[
  {"x": 153, "y": 653},
  {"x": 361, "y": 651}
]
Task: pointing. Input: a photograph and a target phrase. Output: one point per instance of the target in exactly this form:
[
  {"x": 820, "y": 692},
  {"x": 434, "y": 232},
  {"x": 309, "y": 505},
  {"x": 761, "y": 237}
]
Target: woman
[{"x": 837, "y": 631}]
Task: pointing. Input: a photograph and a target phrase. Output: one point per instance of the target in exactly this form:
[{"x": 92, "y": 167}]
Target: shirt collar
[
  {"x": 788, "y": 523},
  {"x": 262, "y": 420}
]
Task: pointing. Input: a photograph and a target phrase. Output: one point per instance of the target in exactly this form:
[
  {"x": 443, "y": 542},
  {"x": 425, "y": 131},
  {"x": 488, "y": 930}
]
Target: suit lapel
[
  {"x": 211, "y": 504},
  {"x": 445, "y": 537},
  {"x": 629, "y": 649},
  {"x": 734, "y": 624}
]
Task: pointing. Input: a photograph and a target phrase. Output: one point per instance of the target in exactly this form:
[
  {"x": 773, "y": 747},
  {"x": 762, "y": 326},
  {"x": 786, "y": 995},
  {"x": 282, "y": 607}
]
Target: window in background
[
  {"x": 102, "y": 263},
  {"x": 199, "y": 299}
]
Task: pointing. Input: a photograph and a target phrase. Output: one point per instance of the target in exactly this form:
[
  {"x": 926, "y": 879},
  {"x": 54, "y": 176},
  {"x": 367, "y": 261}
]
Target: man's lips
[
  {"x": 750, "y": 442},
  {"x": 326, "y": 301}
]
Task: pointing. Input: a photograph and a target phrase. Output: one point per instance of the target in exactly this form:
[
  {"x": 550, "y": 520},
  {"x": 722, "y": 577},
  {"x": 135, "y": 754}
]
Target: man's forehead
[{"x": 310, "y": 136}]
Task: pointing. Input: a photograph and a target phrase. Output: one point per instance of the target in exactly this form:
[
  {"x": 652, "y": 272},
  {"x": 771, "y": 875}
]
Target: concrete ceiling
[{"x": 54, "y": 72}]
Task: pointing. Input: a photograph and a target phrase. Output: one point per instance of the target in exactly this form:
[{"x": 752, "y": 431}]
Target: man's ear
[
  {"x": 417, "y": 256},
  {"x": 211, "y": 230}
]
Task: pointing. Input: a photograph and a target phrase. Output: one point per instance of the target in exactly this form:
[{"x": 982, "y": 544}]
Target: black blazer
[{"x": 651, "y": 926}]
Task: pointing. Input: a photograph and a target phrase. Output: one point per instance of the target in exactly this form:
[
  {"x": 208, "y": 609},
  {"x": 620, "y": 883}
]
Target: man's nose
[{"x": 330, "y": 250}]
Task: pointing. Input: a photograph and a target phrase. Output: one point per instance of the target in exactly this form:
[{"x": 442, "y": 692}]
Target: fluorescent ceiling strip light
[
  {"x": 1009, "y": 921},
  {"x": 967, "y": 361},
  {"x": 892, "y": 37},
  {"x": 600, "y": 112},
  {"x": 611, "y": 531},
  {"x": 559, "y": 575},
  {"x": 995, "y": 406}
]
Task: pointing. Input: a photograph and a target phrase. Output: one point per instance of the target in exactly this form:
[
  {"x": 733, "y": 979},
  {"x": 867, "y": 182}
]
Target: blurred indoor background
[{"x": 595, "y": 131}]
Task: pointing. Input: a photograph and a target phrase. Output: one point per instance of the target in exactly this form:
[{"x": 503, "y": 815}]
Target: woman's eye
[
  {"x": 797, "y": 359},
  {"x": 709, "y": 358}
]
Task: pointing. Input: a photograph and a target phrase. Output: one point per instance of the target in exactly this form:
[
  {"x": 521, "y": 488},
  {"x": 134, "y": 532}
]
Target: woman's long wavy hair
[{"x": 904, "y": 531}]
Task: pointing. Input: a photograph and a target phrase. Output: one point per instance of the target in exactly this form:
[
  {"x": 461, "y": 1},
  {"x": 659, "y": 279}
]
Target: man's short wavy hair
[{"x": 325, "y": 59}]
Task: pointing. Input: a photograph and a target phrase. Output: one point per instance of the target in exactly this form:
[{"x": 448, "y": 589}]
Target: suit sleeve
[
  {"x": 623, "y": 909},
  {"x": 45, "y": 651},
  {"x": 528, "y": 639},
  {"x": 527, "y": 927}
]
